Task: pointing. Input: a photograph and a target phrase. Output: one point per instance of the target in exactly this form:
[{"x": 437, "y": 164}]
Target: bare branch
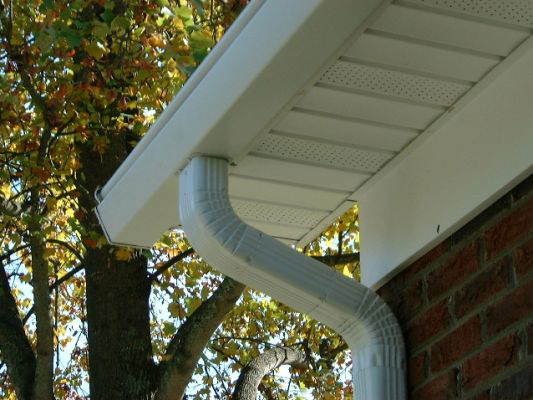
[
  {"x": 187, "y": 345},
  {"x": 170, "y": 263},
  {"x": 6, "y": 256},
  {"x": 55, "y": 285},
  {"x": 252, "y": 375},
  {"x": 10, "y": 208},
  {"x": 67, "y": 246}
]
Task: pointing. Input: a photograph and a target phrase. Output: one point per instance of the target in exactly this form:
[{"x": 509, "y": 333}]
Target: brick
[
  {"x": 425, "y": 260},
  {"x": 454, "y": 270},
  {"x": 524, "y": 258},
  {"x": 406, "y": 305},
  {"x": 417, "y": 369},
  {"x": 512, "y": 308},
  {"x": 482, "y": 287},
  {"x": 509, "y": 230},
  {"x": 427, "y": 325},
  {"x": 518, "y": 386},
  {"x": 443, "y": 387},
  {"x": 452, "y": 347},
  {"x": 477, "y": 223},
  {"x": 490, "y": 361},
  {"x": 410, "y": 302}
]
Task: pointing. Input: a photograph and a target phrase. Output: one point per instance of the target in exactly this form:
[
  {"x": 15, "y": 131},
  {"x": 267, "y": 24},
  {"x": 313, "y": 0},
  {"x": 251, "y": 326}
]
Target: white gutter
[
  {"x": 238, "y": 90},
  {"x": 184, "y": 93},
  {"x": 261, "y": 262}
]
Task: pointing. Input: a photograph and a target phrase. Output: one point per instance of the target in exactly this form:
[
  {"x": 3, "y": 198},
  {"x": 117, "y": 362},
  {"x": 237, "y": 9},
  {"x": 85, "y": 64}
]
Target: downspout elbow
[{"x": 263, "y": 263}]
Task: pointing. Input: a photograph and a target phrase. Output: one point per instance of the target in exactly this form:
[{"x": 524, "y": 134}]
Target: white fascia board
[
  {"x": 452, "y": 175},
  {"x": 277, "y": 50}
]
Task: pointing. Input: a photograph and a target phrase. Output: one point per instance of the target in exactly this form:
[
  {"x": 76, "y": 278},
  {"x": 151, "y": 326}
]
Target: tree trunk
[
  {"x": 253, "y": 373},
  {"x": 14, "y": 345},
  {"x": 120, "y": 351},
  {"x": 118, "y": 314}
]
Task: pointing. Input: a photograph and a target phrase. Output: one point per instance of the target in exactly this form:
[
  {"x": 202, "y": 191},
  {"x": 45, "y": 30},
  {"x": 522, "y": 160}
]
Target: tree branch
[
  {"x": 338, "y": 259},
  {"x": 170, "y": 263},
  {"x": 8, "y": 254},
  {"x": 44, "y": 329},
  {"x": 9, "y": 208},
  {"x": 14, "y": 345},
  {"x": 252, "y": 375},
  {"x": 67, "y": 246},
  {"x": 55, "y": 285},
  {"x": 187, "y": 345}
]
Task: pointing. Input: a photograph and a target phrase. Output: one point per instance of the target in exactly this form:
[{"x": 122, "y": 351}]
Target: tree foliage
[{"x": 81, "y": 81}]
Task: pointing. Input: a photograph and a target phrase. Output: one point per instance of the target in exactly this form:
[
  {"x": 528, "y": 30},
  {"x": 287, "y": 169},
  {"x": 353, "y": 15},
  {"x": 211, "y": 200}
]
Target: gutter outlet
[{"x": 261, "y": 262}]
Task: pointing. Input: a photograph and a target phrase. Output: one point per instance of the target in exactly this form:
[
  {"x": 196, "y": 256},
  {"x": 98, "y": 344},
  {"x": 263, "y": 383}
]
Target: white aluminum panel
[
  {"x": 288, "y": 242},
  {"x": 284, "y": 194},
  {"x": 449, "y": 30},
  {"x": 345, "y": 130},
  {"x": 377, "y": 109},
  {"x": 515, "y": 12},
  {"x": 345, "y": 74},
  {"x": 279, "y": 231},
  {"x": 277, "y": 214},
  {"x": 421, "y": 57},
  {"x": 451, "y": 176},
  {"x": 322, "y": 153},
  {"x": 300, "y": 174}
]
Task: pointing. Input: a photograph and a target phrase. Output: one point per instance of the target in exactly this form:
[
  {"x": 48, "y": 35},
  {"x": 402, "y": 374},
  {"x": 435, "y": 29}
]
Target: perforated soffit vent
[
  {"x": 393, "y": 83},
  {"x": 518, "y": 12},
  {"x": 336, "y": 156}
]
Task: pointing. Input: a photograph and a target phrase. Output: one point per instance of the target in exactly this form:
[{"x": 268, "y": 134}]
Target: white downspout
[{"x": 236, "y": 249}]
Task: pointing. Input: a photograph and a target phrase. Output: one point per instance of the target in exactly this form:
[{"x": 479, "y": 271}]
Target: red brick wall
[{"x": 466, "y": 307}]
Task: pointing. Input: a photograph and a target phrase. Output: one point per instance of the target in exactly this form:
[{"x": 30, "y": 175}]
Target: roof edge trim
[{"x": 203, "y": 69}]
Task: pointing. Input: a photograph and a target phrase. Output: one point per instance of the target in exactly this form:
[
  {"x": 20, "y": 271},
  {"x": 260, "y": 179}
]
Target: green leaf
[
  {"x": 174, "y": 310},
  {"x": 95, "y": 50},
  {"x": 100, "y": 30},
  {"x": 77, "y": 5},
  {"x": 200, "y": 40},
  {"x": 48, "y": 4},
  {"x": 108, "y": 16},
  {"x": 199, "y": 55},
  {"x": 44, "y": 41},
  {"x": 166, "y": 240},
  {"x": 121, "y": 22},
  {"x": 168, "y": 328},
  {"x": 184, "y": 13},
  {"x": 73, "y": 37}
]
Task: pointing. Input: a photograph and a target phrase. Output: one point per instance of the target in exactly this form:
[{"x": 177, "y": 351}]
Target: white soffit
[{"x": 311, "y": 112}]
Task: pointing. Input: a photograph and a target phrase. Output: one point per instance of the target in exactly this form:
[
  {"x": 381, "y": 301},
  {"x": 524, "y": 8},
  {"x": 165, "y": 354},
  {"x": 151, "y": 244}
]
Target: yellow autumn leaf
[
  {"x": 346, "y": 272},
  {"x": 5, "y": 190},
  {"x": 123, "y": 254},
  {"x": 178, "y": 23}
]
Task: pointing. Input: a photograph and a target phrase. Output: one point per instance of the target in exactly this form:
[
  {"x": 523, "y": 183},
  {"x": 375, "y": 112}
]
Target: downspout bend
[{"x": 263, "y": 263}]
